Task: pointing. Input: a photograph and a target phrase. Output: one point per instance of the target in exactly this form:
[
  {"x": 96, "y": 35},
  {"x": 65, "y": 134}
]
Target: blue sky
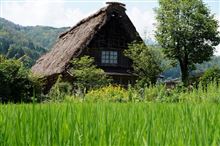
[{"x": 59, "y": 13}]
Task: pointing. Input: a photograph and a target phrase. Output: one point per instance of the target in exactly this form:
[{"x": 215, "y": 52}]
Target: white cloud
[
  {"x": 57, "y": 14},
  {"x": 42, "y": 13},
  {"x": 144, "y": 21}
]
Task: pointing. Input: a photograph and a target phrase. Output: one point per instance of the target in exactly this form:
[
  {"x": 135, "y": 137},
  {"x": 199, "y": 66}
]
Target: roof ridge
[{"x": 84, "y": 20}]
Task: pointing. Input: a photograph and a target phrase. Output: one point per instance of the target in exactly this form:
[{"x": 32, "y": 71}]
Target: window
[{"x": 109, "y": 57}]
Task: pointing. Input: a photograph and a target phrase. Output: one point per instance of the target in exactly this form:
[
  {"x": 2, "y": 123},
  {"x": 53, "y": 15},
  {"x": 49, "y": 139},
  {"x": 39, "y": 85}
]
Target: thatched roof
[{"x": 71, "y": 43}]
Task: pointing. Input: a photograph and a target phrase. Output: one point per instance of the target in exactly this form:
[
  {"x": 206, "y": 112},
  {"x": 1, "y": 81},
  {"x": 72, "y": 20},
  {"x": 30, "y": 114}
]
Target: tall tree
[
  {"x": 187, "y": 31},
  {"x": 148, "y": 62}
]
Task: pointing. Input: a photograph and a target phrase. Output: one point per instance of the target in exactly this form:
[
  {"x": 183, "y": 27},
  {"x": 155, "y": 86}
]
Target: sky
[{"x": 60, "y": 13}]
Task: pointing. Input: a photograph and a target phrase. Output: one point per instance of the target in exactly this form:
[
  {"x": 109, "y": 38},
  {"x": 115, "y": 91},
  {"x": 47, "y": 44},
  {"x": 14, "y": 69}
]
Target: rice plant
[{"x": 116, "y": 124}]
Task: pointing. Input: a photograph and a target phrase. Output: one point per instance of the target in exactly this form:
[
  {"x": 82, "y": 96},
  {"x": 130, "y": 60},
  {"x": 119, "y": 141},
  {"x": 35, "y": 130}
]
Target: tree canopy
[
  {"x": 187, "y": 31},
  {"x": 86, "y": 75},
  {"x": 16, "y": 82},
  {"x": 147, "y": 62}
]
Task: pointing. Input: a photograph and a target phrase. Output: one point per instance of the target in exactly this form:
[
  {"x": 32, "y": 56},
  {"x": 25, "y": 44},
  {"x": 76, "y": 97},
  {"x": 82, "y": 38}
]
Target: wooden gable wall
[{"x": 112, "y": 37}]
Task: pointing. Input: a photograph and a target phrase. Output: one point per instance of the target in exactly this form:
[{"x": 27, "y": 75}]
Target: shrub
[
  {"x": 86, "y": 75},
  {"x": 158, "y": 93},
  {"x": 211, "y": 75},
  {"x": 153, "y": 93},
  {"x": 16, "y": 82},
  {"x": 109, "y": 93},
  {"x": 60, "y": 90}
]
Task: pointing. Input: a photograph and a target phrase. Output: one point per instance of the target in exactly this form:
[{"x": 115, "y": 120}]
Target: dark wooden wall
[{"x": 112, "y": 37}]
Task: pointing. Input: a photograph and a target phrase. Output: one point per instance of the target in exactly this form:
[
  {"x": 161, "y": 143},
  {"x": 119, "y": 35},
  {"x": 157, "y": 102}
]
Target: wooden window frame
[{"x": 109, "y": 57}]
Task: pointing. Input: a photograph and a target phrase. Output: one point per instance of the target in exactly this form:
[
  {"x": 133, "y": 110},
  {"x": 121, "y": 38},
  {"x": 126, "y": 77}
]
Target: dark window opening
[{"x": 109, "y": 57}]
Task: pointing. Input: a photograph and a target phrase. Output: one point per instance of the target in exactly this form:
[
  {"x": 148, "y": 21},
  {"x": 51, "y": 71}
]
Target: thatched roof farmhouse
[{"x": 103, "y": 35}]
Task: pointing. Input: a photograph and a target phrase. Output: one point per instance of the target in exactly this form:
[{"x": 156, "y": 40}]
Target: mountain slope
[
  {"x": 43, "y": 35},
  {"x": 26, "y": 43}
]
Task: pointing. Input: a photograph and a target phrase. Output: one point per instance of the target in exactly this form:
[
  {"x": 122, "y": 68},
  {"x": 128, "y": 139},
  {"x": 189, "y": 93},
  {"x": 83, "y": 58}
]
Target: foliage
[
  {"x": 16, "y": 82},
  {"x": 158, "y": 93},
  {"x": 180, "y": 94},
  {"x": 108, "y": 94},
  {"x": 146, "y": 62},
  {"x": 43, "y": 35},
  {"x": 211, "y": 75},
  {"x": 103, "y": 124},
  {"x": 14, "y": 44},
  {"x": 86, "y": 75},
  {"x": 214, "y": 62},
  {"x": 26, "y": 43},
  {"x": 174, "y": 72},
  {"x": 187, "y": 31},
  {"x": 60, "y": 90}
]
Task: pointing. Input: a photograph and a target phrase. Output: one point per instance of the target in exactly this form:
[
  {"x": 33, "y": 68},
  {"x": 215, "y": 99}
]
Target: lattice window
[{"x": 109, "y": 57}]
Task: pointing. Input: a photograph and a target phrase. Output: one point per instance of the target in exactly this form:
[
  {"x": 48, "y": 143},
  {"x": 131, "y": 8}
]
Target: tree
[
  {"x": 86, "y": 75},
  {"x": 16, "y": 82},
  {"x": 147, "y": 62},
  {"x": 187, "y": 31}
]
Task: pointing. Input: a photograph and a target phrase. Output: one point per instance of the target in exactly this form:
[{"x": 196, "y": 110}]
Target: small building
[{"x": 103, "y": 36}]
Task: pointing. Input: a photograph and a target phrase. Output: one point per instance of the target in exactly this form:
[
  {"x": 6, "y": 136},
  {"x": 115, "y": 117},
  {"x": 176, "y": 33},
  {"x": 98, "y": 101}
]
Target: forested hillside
[
  {"x": 26, "y": 43},
  {"x": 43, "y": 35},
  {"x": 200, "y": 68}
]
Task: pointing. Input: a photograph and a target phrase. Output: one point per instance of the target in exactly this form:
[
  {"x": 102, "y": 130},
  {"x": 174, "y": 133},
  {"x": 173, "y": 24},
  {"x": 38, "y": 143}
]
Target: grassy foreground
[{"x": 116, "y": 124}]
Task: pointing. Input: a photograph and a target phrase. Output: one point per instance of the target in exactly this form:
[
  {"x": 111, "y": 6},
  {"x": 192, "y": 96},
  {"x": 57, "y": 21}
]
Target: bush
[
  {"x": 118, "y": 94},
  {"x": 211, "y": 75},
  {"x": 16, "y": 82},
  {"x": 157, "y": 93},
  {"x": 60, "y": 90},
  {"x": 108, "y": 94},
  {"x": 86, "y": 75}
]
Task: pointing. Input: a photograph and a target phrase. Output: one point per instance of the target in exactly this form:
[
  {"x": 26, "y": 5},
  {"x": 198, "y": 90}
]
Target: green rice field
[{"x": 115, "y": 124}]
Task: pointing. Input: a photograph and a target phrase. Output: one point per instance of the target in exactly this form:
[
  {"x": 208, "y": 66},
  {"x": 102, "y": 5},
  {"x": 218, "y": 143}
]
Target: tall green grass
[
  {"x": 158, "y": 93},
  {"x": 115, "y": 124}
]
